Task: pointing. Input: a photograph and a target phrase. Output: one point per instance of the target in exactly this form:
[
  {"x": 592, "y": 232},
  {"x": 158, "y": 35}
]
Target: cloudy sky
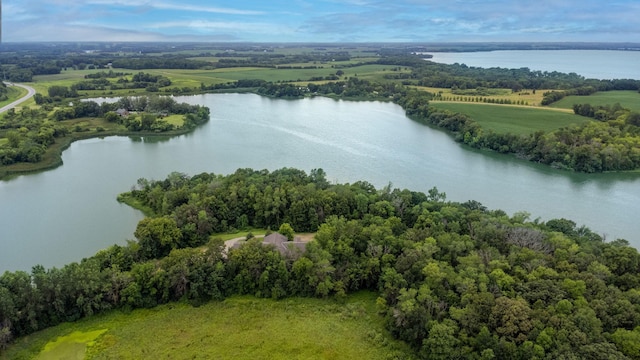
[{"x": 321, "y": 20}]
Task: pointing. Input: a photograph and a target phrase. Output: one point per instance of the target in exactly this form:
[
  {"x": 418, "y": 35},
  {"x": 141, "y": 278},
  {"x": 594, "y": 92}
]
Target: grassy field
[
  {"x": 269, "y": 74},
  {"x": 175, "y": 120},
  {"x": 497, "y": 94},
  {"x": 628, "y": 99},
  {"x": 513, "y": 119},
  {"x": 193, "y": 78},
  {"x": 237, "y": 328}
]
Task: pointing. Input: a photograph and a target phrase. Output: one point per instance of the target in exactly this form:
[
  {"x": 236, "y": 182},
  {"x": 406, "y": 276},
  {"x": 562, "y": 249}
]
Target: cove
[{"x": 62, "y": 215}]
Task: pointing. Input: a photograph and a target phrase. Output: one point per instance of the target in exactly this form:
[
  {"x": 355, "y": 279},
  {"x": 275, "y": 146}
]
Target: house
[
  {"x": 122, "y": 112},
  {"x": 280, "y": 243}
]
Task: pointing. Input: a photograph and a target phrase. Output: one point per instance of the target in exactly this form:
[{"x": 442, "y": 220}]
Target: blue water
[{"x": 595, "y": 64}]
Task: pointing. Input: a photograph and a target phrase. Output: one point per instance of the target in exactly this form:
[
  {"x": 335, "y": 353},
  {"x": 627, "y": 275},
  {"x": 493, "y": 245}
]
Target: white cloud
[
  {"x": 211, "y": 26},
  {"x": 174, "y": 6}
]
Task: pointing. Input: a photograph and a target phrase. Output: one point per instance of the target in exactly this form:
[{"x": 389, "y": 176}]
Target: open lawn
[
  {"x": 237, "y": 328},
  {"x": 513, "y": 119},
  {"x": 628, "y": 99},
  {"x": 175, "y": 120}
]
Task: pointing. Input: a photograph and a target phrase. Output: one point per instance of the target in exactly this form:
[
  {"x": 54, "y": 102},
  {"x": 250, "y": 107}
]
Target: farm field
[
  {"x": 627, "y": 99},
  {"x": 528, "y": 96},
  {"x": 519, "y": 120},
  {"x": 237, "y": 328},
  {"x": 193, "y": 78},
  {"x": 271, "y": 74}
]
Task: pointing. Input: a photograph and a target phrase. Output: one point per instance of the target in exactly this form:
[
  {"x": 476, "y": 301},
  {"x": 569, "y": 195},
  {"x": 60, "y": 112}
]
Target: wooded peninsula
[{"x": 453, "y": 280}]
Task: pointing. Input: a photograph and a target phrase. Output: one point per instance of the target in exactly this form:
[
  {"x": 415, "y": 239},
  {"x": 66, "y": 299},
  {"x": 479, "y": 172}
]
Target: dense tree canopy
[{"x": 455, "y": 280}]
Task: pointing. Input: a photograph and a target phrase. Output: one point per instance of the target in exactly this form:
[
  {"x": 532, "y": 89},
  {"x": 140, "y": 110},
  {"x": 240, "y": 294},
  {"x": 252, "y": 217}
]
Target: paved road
[{"x": 31, "y": 92}]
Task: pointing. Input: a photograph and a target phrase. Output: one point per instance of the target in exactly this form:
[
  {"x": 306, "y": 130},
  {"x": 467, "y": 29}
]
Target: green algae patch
[{"x": 72, "y": 346}]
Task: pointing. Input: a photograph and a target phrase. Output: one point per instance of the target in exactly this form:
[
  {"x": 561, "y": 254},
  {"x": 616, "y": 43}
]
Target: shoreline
[{"x": 55, "y": 152}]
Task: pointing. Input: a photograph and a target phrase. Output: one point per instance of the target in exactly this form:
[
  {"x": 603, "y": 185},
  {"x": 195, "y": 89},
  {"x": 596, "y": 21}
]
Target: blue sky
[{"x": 321, "y": 21}]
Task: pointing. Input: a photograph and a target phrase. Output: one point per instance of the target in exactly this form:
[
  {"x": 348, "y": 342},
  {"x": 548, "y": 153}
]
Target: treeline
[
  {"x": 461, "y": 76},
  {"x": 158, "y": 62},
  {"x": 456, "y": 281},
  {"x": 352, "y": 88},
  {"x": 607, "y": 112},
  {"x": 107, "y": 75},
  {"x": 590, "y": 147}
]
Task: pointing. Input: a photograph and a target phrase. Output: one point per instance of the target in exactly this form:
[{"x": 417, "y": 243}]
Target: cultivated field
[
  {"x": 627, "y": 99},
  {"x": 527, "y": 96},
  {"x": 237, "y": 328},
  {"x": 513, "y": 119}
]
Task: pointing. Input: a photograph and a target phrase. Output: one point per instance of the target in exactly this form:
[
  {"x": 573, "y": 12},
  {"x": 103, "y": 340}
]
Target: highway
[{"x": 31, "y": 92}]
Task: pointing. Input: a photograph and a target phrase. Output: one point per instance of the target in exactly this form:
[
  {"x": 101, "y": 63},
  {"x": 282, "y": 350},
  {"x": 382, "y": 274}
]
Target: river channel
[{"x": 62, "y": 215}]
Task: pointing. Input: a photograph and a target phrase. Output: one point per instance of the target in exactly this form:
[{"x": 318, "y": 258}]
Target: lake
[
  {"x": 595, "y": 64},
  {"x": 59, "y": 216}
]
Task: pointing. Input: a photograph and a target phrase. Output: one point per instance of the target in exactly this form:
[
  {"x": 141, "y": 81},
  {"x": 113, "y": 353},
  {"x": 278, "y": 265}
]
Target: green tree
[
  {"x": 628, "y": 342},
  {"x": 442, "y": 342},
  {"x": 286, "y": 230},
  {"x": 157, "y": 236}
]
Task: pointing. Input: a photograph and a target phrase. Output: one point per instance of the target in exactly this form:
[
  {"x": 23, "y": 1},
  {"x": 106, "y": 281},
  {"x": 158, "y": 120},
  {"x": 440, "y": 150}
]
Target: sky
[{"x": 321, "y": 20}]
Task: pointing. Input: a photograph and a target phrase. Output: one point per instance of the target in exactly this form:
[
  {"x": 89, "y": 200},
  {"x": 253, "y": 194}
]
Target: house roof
[
  {"x": 281, "y": 244},
  {"x": 275, "y": 239}
]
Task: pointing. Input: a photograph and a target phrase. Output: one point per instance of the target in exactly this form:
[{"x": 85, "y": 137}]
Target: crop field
[
  {"x": 513, "y": 119},
  {"x": 527, "y": 96},
  {"x": 237, "y": 328},
  {"x": 628, "y": 99}
]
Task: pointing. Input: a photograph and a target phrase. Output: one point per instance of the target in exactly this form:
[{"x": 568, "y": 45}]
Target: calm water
[
  {"x": 62, "y": 215},
  {"x": 596, "y": 64}
]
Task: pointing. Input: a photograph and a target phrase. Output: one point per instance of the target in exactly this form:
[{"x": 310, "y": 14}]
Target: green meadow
[
  {"x": 518, "y": 120},
  {"x": 180, "y": 77},
  {"x": 627, "y": 99},
  {"x": 193, "y": 78},
  {"x": 237, "y": 328}
]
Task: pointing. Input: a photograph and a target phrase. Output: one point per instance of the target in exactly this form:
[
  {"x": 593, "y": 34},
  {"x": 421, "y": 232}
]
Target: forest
[{"x": 454, "y": 280}]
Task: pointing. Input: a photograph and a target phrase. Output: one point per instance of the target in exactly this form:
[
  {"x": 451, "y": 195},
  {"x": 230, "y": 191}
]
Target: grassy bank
[
  {"x": 13, "y": 93},
  {"x": 237, "y": 328}
]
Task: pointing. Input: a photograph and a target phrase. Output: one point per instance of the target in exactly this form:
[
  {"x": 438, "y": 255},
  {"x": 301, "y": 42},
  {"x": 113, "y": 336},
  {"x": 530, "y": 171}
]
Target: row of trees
[{"x": 455, "y": 279}]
